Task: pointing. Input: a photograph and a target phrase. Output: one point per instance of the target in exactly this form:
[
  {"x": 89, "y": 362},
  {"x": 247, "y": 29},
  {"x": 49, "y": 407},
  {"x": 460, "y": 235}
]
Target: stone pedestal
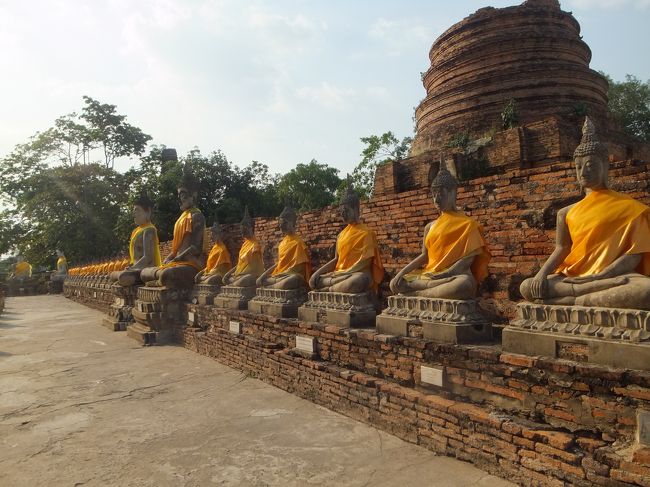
[
  {"x": 278, "y": 302},
  {"x": 204, "y": 293},
  {"x": 157, "y": 311},
  {"x": 440, "y": 320},
  {"x": 55, "y": 286},
  {"x": 342, "y": 309},
  {"x": 119, "y": 315},
  {"x": 607, "y": 336},
  {"x": 234, "y": 297}
]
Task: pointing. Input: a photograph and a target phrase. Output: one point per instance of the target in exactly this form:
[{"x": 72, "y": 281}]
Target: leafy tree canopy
[
  {"x": 379, "y": 149},
  {"x": 629, "y": 102},
  {"x": 309, "y": 186}
]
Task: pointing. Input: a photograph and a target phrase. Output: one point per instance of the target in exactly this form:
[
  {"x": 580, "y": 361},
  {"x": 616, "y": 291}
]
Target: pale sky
[{"x": 280, "y": 82}]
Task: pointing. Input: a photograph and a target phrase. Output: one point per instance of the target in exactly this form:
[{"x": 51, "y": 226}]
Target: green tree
[
  {"x": 75, "y": 208},
  {"x": 309, "y": 186},
  {"x": 111, "y": 132},
  {"x": 629, "y": 103},
  {"x": 379, "y": 149}
]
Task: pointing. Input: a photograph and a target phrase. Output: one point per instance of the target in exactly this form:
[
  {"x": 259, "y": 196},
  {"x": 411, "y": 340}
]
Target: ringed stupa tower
[{"x": 531, "y": 53}]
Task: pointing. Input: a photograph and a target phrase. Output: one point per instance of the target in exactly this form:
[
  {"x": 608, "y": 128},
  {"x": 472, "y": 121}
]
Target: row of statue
[{"x": 601, "y": 258}]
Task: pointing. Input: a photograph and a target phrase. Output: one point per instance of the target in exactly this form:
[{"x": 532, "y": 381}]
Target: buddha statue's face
[
  {"x": 20, "y": 258},
  {"x": 216, "y": 233},
  {"x": 247, "y": 231},
  {"x": 444, "y": 198},
  {"x": 591, "y": 171},
  {"x": 186, "y": 198},
  {"x": 141, "y": 216},
  {"x": 287, "y": 225},
  {"x": 59, "y": 253},
  {"x": 349, "y": 212}
]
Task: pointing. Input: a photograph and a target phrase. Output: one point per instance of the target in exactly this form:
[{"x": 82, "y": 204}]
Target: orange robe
[
  {"x": 292, "y": 252},
  {"x": 603, "y": 226},
  {"x": 357, "y": 243},
  {"x": 250, "y": 259},
  {"x": 182, "y": 227},
  {"x": 135, "y": 234},
  {"x": 23, "y": 269},
  {"x": 218, "y": 259},
  {"x": 452, "y": 237}
]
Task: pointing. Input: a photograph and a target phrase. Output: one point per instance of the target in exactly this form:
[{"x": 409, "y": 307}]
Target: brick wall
[{"x": 536, "y": 421}]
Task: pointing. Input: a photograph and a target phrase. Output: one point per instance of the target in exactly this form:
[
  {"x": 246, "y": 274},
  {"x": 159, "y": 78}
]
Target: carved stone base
[
  {"x": 55, "y": 286},
  {"x": 607, "y": 336},
  {"x": 441, "y": 320},
  {"x": 120, "y": 313},
  {"x": 234, "y": 297},
  {"x": 342, "y": 309},
  {"x": 204, "y": 293},
  {"x": 157, "y": 311},
  {"x": 278, "y": 302}
]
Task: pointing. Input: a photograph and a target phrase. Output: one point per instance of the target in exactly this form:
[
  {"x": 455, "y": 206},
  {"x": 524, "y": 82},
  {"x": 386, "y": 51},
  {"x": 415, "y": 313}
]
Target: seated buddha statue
[
  {"x": 293, "y": 265},
  {"x": 454, "y": 256},
  {"x": 218, "y": 262},
  {"x": 602, "y": 250},
  {"x": 250, "y": 263},
  {"x": 22, "y": 269},
  {"x": 356, "y": 267},
  {"x": 184, "y": 262},
  {"x": 144, "y": 248},
  {"x": 61, "y": 267}
]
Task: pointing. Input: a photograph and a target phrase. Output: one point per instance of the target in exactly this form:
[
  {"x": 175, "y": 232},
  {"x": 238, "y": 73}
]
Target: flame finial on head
[
  {"x": 350, "y": 197},
  {"x": 288, "y": 213},
  {"x": 589, "y": 144},
  {"x": 246, "y": 220},
  {"x": 444, "y": 178},
  {"x": 188, "y": 179}
]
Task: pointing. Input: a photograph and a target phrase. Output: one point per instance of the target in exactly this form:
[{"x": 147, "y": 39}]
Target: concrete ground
[{"x": 80, "y": 405}]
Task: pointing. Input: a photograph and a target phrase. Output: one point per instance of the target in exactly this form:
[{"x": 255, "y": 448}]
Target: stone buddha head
[
  {"x": 349, "y": 206},
  {"x": 444, "y": 188},
  {"x": 188, "y": 188},
  {"x": 215, "y": 231},
  {"x": 287, "y": 220},
  {"x": 247, "y": 225},
  {"x": 60, "y": 253},
  {"x": 19, "y": 258},
  {"x": 142, "y": 208},
  {"x": 590, "y": 158}
]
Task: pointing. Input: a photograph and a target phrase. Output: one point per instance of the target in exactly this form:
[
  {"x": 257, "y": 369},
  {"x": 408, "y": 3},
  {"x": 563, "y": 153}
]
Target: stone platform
[
  {"x": 120, "y": 313},
  {"x": 607, "y": 336},
  {"x": 204, "y": 293},
  {"x": 439, "y": 320},
  {"x": 157, "y": 311},
  {"x": 342, "y": 309},
  {"x": 234, "y": 297},
  {"x": 278, "y": 302}
]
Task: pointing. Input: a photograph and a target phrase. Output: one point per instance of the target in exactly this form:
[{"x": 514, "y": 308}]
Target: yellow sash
[
  {"x": 60, "y": 262},
  {"x": 292, "y": 252},
  {"x": 603, "y": 226},
  {"x": 218, "y": 259},
  {"x": 250, "y": 258},
  {"x": 23, "y": 269},
  {"x": 135, "y": 234},
  {"x": 182, "y": 227},
  {"x": 452, "y": 237},
  {"x": 357, "y": 243}
]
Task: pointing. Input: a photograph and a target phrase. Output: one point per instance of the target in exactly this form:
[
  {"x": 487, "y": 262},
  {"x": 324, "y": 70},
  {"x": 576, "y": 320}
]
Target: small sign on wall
[
  {"x": 433, "y": 376},
  {"x": 191, "y": 317},
  {"x": 306, "y": 344},
  {"x": 643, "y": 427},
  {"x": 235, "y": 327}
]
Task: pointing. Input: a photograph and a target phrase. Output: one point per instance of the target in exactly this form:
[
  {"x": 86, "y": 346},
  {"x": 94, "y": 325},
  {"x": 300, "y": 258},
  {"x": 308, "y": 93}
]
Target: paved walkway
[{"x": 80, "y": 405}]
